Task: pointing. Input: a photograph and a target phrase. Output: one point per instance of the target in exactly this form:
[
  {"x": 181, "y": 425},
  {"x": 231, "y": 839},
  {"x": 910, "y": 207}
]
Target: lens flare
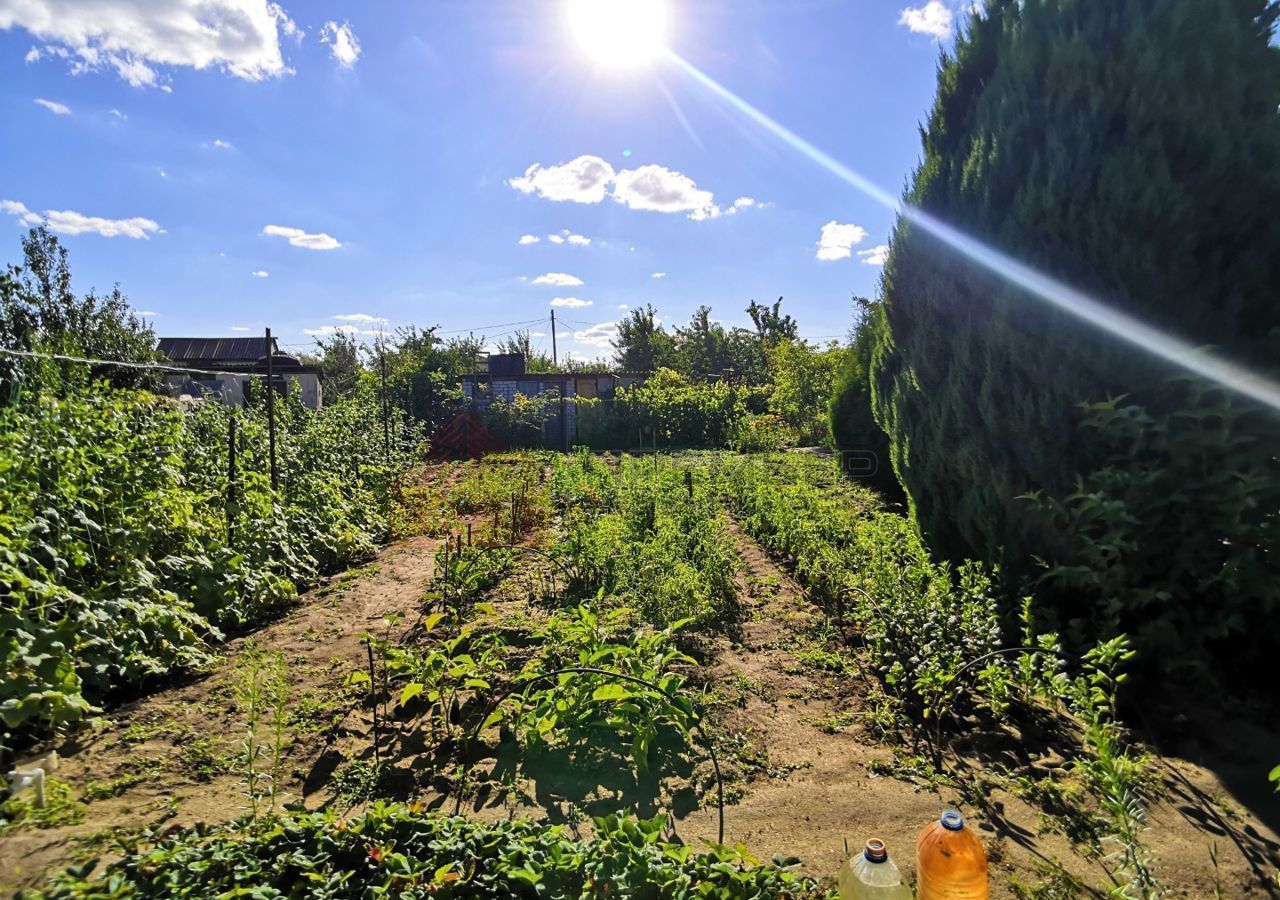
[{"x": 1123, "y": 326}]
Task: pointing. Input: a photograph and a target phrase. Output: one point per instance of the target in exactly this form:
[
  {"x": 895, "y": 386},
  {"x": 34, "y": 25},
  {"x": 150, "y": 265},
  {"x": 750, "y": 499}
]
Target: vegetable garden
[{"x": 570, "y": 675}]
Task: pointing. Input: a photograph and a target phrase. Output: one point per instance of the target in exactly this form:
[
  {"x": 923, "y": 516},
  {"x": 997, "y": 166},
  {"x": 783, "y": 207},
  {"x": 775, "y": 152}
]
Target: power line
[
  {"x": 155, "y": 367},
  {"x": 498, "y": 325}
]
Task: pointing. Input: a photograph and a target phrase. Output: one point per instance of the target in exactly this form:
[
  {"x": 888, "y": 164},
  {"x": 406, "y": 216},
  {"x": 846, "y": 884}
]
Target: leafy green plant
[
  {"x": 396, "y": 850},
  {"x": 577, "y": 706},
  {"x": 442, "y": 668}
]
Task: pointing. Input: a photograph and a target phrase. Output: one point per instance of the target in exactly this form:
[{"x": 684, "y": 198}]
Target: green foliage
[
  {"x": 803, "y": 380},
  {"x": 39, "y": 312},
  {"x": 641, "y": 344},
  {"x": 1059, "y": 124},
  {"x": 518, "y": 422},
  {"x": 649, "y": 539},
  {"x": 683, "y": 413},
  {"x": 575, "y": 707},
  {"x": 1174, "y": 537},
  {"x": 922, "y": 624},
  {"x": 116, "y": 560},
  {"x": 436, "y": 673},
  {"x": 853, "y": 425},
  {"x": 395, "y": 850}
]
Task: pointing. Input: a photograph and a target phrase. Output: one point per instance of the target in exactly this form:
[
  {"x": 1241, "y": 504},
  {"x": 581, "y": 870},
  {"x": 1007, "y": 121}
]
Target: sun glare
[{"x": 619, "y": 33}]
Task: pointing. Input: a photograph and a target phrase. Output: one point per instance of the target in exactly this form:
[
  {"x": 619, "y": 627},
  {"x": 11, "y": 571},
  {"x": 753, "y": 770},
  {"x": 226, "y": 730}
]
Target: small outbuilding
[{"x": 221, "y": 367}]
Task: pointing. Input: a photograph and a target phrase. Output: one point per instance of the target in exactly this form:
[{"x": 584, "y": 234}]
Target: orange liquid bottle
[{"x": 950, "y": 861}]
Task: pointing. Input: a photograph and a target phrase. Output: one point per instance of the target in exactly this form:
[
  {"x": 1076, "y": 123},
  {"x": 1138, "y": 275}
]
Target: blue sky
[{"x": 374, "y": 160}]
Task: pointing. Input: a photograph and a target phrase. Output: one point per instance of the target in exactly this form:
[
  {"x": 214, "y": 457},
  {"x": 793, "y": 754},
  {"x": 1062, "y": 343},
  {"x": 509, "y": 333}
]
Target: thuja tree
[{"x": 1132, "y": 150}]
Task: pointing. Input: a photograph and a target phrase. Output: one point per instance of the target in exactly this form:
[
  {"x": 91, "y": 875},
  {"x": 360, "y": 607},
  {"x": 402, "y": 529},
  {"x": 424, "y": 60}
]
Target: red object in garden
[{"x": 465, "y": 436}]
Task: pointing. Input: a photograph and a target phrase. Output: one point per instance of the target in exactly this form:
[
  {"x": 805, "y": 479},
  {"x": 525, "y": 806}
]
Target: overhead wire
[{"x": 155, "y": 367}]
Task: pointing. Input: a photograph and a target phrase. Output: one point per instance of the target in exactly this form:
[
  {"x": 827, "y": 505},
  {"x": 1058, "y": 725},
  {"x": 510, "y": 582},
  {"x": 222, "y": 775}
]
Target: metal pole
[
  {"x": 554, "y": 360},
  {"x": 271, "y": 411},
  {"x": 231, "y": 479},
  {"x": 386, "y": 420}
]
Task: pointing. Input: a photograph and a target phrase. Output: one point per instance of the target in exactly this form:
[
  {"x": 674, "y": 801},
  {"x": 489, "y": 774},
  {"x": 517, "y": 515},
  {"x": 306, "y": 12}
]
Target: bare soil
[
  {"x": 167, "y": 757},
  {"x": 805, "y": 772}
]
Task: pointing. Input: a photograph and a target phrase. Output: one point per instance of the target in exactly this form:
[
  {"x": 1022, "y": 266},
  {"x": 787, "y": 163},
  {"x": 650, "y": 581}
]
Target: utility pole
[
  {"x": 271, "y": 411},
  {"x": 554, "y": 360}
]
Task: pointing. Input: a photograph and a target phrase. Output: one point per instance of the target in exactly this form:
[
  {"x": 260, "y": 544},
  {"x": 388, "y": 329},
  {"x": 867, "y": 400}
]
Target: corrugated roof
[{"x": 224, "y": 350}]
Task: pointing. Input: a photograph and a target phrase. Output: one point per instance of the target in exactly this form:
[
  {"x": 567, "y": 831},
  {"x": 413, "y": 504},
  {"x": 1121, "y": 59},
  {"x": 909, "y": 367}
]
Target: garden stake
[{"x": 373, "y": 697}]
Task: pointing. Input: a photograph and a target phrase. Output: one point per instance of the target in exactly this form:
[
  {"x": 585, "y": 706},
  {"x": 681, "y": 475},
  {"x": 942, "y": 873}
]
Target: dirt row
[{"x": 804, "y": 772}]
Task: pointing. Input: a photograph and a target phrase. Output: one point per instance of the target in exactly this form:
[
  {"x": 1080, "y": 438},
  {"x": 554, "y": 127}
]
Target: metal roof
[{"x": 223, "y": 350}]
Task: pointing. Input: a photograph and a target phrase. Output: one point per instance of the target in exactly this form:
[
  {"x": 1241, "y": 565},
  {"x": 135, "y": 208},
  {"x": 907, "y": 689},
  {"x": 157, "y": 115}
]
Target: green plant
[
  {"x": 442, "y": 668},
  {"x": 620, "y": 681},
  {"x": 396, "y": 850},
  {"x": 977, "y": 381},
  {"x": 60, "y": 808},
  {"x": 1115, "y": 774},
  {"x": 262, "y": 692}
]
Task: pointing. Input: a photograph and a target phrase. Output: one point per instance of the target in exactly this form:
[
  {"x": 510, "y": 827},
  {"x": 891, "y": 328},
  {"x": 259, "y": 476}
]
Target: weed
[
  {"x": 60, "y": 809},
  {"x": 100, "y": 790},
  {"x": 358, "y": 781}
]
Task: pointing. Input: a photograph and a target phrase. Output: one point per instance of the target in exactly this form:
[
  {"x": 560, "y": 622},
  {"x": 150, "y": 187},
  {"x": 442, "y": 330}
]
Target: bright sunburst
[{"x": 619, "y": 33}]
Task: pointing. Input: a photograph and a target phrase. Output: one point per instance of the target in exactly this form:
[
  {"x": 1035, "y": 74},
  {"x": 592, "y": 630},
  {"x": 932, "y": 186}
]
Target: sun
[{"x": 619, "y": 33}]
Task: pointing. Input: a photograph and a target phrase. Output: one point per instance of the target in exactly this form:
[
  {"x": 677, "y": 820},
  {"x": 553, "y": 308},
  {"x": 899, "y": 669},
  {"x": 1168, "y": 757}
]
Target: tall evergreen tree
[{"x": 1128, "y": 148}]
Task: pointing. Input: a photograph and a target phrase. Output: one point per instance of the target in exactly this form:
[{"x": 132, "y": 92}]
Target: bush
[
  {"x": 1058, "y": 126},
  {"x": 683, "y": 413}
]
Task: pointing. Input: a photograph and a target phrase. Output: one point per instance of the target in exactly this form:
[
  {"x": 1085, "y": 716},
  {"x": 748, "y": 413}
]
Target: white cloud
[
  {"x": 537, "y": 334},
  {"x": 660, "y": 189},
  {"x": 14, "y": 208},
  {"x": 151, "y": 314},
  {"x": 239, "y": 327},
  {"x": 837, "y": 240},
  {"x": 623, "y": 306},
  {"x": 658, "y": 275},
  {"x": 555, "y": 239},
  {"x": 343, "y": 43},
  {"x": 118, "y": 114},
  {"x": 58, "y": 109},
  {"x": 330, "y": 330},
  {"x": 582, "y": 180},
  {"x": 299, "y": 238},
  {"x": 222, "y": 145},
  {"x": 579, "y": 240},
  {"x": 362, "y": 317},
  {"x": 875, "y": 256},
  {"x": 260, "y": 273},
  {"x": 934, "y": 19},
  {"x": 66, "y": 221},
  {"x": 528, "y": 239},
  {"x": 570, "y": 302},
  {"x": 589, "y": 179},
  {"x": 559, "y": 279},
  {"x": 132, "y": 37},
  {"x": 597, "y": 335}
]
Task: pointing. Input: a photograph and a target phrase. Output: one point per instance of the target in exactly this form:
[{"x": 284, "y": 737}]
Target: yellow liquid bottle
[
  {"x": 871, "y": 875},
  {"x": 950, "y": 861}
]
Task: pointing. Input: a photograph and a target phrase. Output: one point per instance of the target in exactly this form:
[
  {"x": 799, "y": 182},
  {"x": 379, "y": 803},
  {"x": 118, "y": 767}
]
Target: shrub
[{"x": 1058, "y": 125}]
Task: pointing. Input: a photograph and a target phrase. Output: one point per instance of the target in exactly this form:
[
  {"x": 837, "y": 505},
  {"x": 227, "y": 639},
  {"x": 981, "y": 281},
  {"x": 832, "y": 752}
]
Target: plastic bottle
[
  {"x": 871, "y": 875},
  {"x": 950, "y": 861}
]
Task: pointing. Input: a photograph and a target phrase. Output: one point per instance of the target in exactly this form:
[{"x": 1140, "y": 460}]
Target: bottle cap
[
  {"x": 952, "y": 820},
  {"x": 875, "y": 851}
]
